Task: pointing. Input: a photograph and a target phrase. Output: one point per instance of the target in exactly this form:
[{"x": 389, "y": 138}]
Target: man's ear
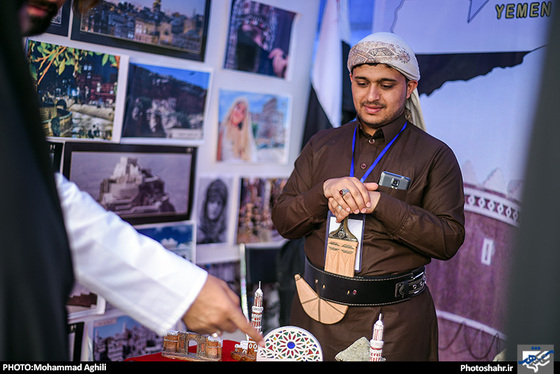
[{"x": 410, "y": 87}]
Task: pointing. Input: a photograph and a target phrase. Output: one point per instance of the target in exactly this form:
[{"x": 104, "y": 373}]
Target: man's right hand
[
  {"x": 216, "y": 309},
  {"x": 347, "y": 194}
]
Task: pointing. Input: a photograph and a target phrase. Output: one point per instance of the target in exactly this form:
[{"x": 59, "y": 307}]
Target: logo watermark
[{"x": 533, "y": 359}]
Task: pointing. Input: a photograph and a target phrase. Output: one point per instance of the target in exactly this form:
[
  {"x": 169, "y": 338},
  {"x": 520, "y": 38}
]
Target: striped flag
[{"x": 330, "y": 94}]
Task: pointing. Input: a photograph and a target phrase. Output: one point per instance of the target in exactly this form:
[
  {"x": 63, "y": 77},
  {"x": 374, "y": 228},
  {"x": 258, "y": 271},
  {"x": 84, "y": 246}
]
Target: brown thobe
[{"x": 406, "y": 230}]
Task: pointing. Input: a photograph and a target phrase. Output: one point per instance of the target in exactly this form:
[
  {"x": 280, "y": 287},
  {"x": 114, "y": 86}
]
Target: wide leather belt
[{"x": 365, "y": 291}]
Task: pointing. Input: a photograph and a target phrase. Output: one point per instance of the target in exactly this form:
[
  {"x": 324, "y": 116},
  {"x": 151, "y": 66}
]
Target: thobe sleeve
[
  {"x": 302, "y": 206},
  {"x": 132, "y": 271}
]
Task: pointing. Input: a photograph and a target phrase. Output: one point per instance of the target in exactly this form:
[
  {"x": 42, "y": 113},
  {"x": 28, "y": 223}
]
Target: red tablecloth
[{"x": 227, "y": 347}]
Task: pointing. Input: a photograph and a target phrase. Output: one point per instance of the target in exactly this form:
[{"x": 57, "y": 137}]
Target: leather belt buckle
[
  {"x": 364, "y": 291},
  {"x": 410, "y": 287}
]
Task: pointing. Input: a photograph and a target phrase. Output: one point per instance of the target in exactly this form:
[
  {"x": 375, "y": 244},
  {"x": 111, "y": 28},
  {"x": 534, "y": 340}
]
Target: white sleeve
[{"x": 131, "y": 271}]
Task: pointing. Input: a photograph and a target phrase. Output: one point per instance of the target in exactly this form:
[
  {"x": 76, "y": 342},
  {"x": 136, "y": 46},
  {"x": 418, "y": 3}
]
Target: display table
[{"x": 227, "y": 347}]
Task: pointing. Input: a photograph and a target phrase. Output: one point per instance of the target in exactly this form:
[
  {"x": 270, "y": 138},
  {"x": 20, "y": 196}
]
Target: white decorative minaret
[
  {"x": 257, "y": 310},
  {"x": 376, "y": 342}
]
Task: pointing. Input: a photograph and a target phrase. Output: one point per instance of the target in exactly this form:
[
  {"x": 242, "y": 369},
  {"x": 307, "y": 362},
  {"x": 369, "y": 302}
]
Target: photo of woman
[
  {"x": 259, "y": 38},
  {"x": 236, "y": 140},
  {"x": 252, "y": 127},
  {"x": 212, "y": 211}
]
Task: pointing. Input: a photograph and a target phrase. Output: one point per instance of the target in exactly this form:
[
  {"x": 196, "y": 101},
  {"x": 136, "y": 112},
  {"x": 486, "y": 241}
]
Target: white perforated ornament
[{"x": 290, "y": 343}]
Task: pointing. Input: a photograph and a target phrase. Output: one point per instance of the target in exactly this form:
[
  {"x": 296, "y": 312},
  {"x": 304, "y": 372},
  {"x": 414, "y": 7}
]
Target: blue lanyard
[{"x": 362, "y": 179}]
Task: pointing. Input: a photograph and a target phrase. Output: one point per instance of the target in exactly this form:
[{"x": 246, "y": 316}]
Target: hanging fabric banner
[{"x": 478, "y": 62}]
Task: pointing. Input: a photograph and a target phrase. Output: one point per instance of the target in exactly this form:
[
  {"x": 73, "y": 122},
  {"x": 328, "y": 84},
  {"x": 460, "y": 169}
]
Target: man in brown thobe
[{"x": 403, "y": 228}]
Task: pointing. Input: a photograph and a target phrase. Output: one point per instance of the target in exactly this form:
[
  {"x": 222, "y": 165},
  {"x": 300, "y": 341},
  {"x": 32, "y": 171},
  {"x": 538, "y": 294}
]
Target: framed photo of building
[
  {"x": 81, "y": 92},
  {"x": 172, "y": 28},
  {"x": 117, "y": 336},
  {"x": 257, "y": 196},
  {"x": 141, "y": 183},
  {"x": 177, "y": 237},
  {"x": 253, "y": 127},
  {"x": 59, "y": 24},
  {"x": 165, "y": 105}
]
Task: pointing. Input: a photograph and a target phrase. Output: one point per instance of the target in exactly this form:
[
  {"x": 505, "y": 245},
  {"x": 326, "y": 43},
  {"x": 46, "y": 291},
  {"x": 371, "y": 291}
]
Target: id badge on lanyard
[{"x": 354, "y": 223}]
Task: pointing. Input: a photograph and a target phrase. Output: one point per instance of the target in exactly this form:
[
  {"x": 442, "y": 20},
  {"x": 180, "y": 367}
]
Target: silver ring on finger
[{"x": 343, "y": 191}]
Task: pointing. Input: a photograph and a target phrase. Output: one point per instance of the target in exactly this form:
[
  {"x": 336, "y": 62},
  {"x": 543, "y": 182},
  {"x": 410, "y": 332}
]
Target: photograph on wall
[
  {"x": 81, "y": 92},
  {"x": 164, "y": 104},
  {"x": 82, "y": 302},
  {"x": 55, "y": 152},
  {"x": 176, "y": 28},
  {"x": 75, "y": 340},
  {"x": 213, "y": 207},
  {"x": 177, "y": 237},
  {"x": 257, "y": 196},
  {"x": 60, "y": 22},
  {"x": 117, "y": 338},
  {"x": 253, "y": 127},
  {"x": 259, "y": 38},
  {"x": 141, "y": 183},
  {"x": 228, "y": 271}
]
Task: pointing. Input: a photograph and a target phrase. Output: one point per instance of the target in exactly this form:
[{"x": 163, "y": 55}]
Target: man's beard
[
  {"x": 38, "y": 25},
  {"x": 380, "y": 124}
]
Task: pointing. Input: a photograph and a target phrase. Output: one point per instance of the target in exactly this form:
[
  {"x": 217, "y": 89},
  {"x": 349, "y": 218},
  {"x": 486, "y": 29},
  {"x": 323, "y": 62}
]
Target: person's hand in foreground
[{"x": 216, "y": 309}]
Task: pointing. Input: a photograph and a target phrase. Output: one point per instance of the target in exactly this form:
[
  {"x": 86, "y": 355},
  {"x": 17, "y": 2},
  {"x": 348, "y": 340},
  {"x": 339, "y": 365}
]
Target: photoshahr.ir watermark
[{"x": 535, "y": 359}]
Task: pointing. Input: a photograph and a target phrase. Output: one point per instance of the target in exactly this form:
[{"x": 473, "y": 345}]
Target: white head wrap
[{"x": 390, "y": 49}]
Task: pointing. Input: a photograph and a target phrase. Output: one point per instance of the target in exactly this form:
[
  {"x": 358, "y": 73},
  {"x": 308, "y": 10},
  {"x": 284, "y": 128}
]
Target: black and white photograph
[
  {"x": 214, "y": 198},
  {"x": 141, "y": 183},
  {"x": 176, "y": 28},
  {"x": 259, "y": 38},
  {"x": 177, "y": 237},
  {"x": 80, "y": 91},
  {"x": 165, "y": 104}
]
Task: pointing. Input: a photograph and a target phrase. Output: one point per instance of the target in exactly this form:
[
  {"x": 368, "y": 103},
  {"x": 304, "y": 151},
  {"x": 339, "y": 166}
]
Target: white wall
[{"x": 296, "y": 86}]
